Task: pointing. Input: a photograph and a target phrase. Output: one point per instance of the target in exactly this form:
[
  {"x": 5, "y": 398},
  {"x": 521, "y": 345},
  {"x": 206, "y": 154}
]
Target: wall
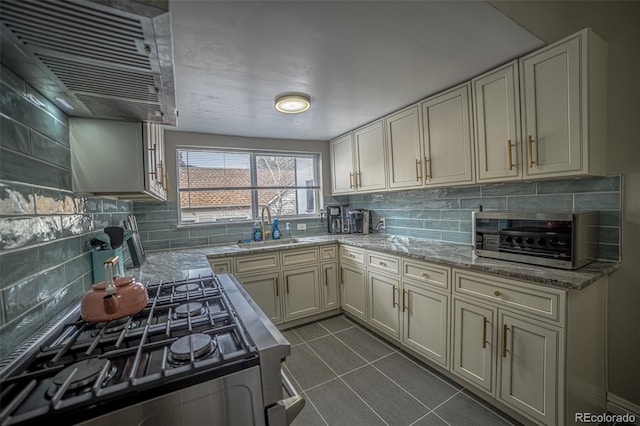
[
  {"x": 45, "y": 229},
  {"x": 616, "y": 22}
]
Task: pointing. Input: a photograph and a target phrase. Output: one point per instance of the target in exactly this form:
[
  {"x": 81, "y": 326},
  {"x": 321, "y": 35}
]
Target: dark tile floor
[{"x": 351, "y": 377}]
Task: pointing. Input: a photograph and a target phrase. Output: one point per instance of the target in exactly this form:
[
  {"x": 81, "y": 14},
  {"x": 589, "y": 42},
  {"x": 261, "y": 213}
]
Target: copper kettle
[{"x": 114, "y": 298}]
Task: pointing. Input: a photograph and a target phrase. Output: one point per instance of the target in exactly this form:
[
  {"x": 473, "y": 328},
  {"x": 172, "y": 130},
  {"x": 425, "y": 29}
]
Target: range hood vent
[{"x": 108, "y": 59}]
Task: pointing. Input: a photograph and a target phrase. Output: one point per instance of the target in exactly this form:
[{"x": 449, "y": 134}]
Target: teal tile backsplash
[{"x": 45, "y": 228}]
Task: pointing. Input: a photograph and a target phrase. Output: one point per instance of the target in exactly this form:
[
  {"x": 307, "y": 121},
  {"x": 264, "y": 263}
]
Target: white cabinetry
[
  {"x": 497, "y": 125},
  {"x": 446, "y": 131},
  {"x": 353, "y": 281},
  {"x": 264, "y": 289},
  {"x": 358, "y": 160},
  {"x": 342, "y": 164},
  {"x": 404, "y": 152},
  {"x": 117, "y": 158},
  {"x": 564, "y": 113},
  {"x": 330, "y": 295},
  {"x": 384, "y": 310},
  {"x": 302, "y": 291}
]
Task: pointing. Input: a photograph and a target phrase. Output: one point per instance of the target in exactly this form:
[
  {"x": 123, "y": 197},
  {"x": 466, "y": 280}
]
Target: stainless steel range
[{"x": 201, "y": 352}]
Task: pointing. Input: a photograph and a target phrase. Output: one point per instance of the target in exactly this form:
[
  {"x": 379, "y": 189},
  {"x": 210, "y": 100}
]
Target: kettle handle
[{"x": 109, "y": 267}]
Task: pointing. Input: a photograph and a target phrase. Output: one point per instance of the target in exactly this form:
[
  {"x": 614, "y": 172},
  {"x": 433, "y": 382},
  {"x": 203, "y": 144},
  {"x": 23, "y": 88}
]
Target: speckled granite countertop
[{"x": 177, "y": 263}]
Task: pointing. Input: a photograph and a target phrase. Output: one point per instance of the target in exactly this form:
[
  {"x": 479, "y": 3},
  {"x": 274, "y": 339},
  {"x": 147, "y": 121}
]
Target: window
[{"x": 222, "y": 186}]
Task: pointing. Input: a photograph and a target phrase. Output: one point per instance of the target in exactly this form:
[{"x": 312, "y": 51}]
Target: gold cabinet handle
[
  {"x": 417, "y": 172},
  {"x": 326, "y": 275},
  {"x": 484, "y": 333},
  {"x": 504, "y": 341},
  {"x": 358, "y": 179},
  {"x": 497, "y": 293},
  {"x": 351, "y": 256},
  {"x": 287, "y": 284},
  {"x": 393, "y": 297},
  {"x": 153, "y": 160},
  {"x": 165, "y": 179},
  {"x": 404, "y": 305},
  {"x": 277, "y": 290},
  {"x": 350, "y": 180},
  {"x": 424, "y": 275},
  {"x": 530, "y": 151},
  {"x": 510, "y": 154},
  {"x": 341, "y": 276},
  {"x": 382, "y": 263},
  {"x": 426, "y": 168}
]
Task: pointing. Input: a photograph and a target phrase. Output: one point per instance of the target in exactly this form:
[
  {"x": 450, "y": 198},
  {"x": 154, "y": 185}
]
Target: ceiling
[{"x": 357, "y": 60}]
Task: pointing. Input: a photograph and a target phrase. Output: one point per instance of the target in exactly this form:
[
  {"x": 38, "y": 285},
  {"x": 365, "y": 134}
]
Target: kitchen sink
[{"x": 268, "y": 242}]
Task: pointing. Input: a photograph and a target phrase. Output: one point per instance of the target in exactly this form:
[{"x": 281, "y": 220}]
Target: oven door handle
[{"x": 295, "y": 403}]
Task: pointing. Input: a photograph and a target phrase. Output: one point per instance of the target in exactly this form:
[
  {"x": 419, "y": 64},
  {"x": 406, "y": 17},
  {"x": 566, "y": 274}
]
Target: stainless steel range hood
[{"x": 107, "y": 59}]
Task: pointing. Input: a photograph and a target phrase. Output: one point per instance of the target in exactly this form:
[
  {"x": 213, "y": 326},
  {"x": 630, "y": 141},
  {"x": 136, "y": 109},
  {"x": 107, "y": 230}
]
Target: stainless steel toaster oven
[{"x": 567, "y": 240}]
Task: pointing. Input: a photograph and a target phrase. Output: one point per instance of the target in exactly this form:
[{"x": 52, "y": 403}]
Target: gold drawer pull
[
  {"x": 497, "y": 293},
  {"x": 417, "y": 173},
  {"x": 351, "y": 256},
  {"x": 393, "y": 297},
  {"x": 426, "y": 168},
  {"x": 404, "y": 305},
  {"x": 530, "y": 151},
  {"x": 484, "y": 333},
  {"x": 424, "y": 275},
  {"x": 350, "y": 180},
  {"x": 510, "y": 155},
  {"x": 504, "y": 341},
  {"x": 383, "y": 264}
]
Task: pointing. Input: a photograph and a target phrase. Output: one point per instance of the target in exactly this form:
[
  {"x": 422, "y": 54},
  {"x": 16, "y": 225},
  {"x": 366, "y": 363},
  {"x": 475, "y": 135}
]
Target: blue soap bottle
[
  {"x": 275, "y": 232},
  {"x": 257, "y": 233}
]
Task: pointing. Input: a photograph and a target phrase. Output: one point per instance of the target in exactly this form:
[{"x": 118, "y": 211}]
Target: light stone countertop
[{"x": 169, "y": 264}]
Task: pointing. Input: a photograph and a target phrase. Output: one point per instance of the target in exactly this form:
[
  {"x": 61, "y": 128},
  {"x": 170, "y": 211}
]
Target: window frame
[{"x": 254, "y": 188}]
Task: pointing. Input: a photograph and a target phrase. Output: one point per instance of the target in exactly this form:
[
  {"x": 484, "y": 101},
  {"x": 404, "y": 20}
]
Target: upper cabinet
[
  {"x": 446, "y": 131},
  {"x": 497, "y": 125},
  {"x": 404, "y": 148},
  {"x": 358, "y": 161},
  {"x": 542, "y": 116},
  {"x": 118, "y": 158},
  {"x": 564, "y": 113}
]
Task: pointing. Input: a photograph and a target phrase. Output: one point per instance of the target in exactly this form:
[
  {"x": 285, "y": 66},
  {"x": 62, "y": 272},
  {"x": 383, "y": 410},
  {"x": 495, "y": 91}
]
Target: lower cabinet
[
  {"x": 264, "y": 289},
  {"x": 330, "y": 296},
  {"x": 354, "y": 290},
  {"x": 301, "y": 292},
  {"x": 426, "y": 322},
  {"x": 384, "y": 309},
  {"x": 528, "y": 363}
]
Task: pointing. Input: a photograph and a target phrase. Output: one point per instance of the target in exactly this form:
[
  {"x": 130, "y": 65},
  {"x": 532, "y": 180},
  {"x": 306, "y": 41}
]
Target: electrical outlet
[
  {"x": 301, "y": 226},
  {"x": 383, "y": 223}
]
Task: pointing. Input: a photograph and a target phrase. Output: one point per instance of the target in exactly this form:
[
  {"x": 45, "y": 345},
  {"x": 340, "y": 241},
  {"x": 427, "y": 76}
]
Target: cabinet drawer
[
  {"x": 426, "y": 273},
  {"x": 383, "y": 262},
  {"x": 221, "y": 266},
  {"x": 297, "y": 257},
  {"x": 352, "y": 254},
  {"x": 256, "y": 263},
  {"x": 542, "y": 302},
  {"x": 329, "y": 253}
]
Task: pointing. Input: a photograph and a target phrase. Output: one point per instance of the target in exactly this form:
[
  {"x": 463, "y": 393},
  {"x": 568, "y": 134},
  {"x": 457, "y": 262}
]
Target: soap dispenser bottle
[
  {"x": 275, "y": 233},
  {"x": 257, "y": 232},
  {"x": 287, "y": 231}
]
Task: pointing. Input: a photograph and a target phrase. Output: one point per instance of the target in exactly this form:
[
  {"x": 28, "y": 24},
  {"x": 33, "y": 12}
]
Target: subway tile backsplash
[
  {"x": 440, "y": 214},
  {"x": 45, "y": 229}
]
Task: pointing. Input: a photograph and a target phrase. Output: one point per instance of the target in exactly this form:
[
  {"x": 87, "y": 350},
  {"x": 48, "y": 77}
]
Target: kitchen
[{"x": 60, "y": 224}]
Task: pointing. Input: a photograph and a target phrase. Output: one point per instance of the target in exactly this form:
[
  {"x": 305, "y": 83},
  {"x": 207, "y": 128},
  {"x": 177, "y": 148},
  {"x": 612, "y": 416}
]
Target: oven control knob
[
  {"x": 519, "y": 240},
  {"x": 508, "y": 239},
  {"x": 529, "y": 240},
  {"x": 542, "y": 241}
]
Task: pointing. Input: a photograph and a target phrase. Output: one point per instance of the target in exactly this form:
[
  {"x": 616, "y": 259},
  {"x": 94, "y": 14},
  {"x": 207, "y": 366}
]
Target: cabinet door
[
  {"x": 550, "y": 90},
  {"x": 354, "y": 294},
  {"x": 264, "y": 290},
  {"x": 497, "y": 125},
  {"x": 474, "y": 343},
  {"x": 301, "y": 292},
  {"x": 384, "y": 313},
  {"x": 330, "y": 299},
  {"x": 221, "y": 266},
  {"x": 529, "y": 366},
  {"x": 426, "y": 323},
  {"x": 369, "y": 154},
  {"x": 446, "y": 129},
  {"x": 403, "y": 148},
  {"x": 342, "y": 179}
]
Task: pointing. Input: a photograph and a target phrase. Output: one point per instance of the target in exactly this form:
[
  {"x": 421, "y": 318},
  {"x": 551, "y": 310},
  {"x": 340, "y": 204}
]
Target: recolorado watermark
[{"x": 604, "y": 418}]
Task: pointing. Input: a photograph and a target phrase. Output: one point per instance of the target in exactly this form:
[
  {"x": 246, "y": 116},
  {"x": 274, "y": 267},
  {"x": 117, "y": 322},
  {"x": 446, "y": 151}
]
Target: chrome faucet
[{"x": 266, "y": 233}]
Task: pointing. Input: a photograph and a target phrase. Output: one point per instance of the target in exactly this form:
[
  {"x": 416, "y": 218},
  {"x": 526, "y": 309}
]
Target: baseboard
[{"x": 617, "y": 405}]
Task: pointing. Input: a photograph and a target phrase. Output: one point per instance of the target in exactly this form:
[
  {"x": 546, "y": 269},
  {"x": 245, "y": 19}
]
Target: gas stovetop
[{"x": 188, "y": 333}]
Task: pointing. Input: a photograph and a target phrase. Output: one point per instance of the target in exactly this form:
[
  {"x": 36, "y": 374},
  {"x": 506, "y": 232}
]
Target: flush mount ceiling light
[{"x": 293, "y": 103}]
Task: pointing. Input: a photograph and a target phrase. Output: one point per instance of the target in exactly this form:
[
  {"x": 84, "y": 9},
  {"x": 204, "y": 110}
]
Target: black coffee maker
[{"x": 338, "y": 219}]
